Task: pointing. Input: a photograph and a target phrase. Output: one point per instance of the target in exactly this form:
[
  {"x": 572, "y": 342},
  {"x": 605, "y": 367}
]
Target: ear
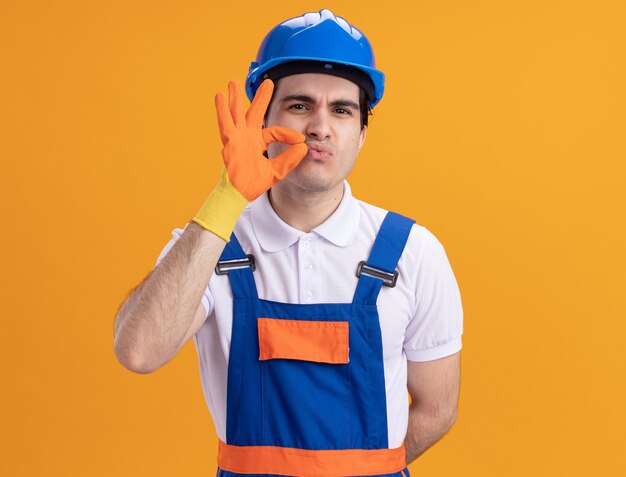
[{"x": 362, "y": 137}]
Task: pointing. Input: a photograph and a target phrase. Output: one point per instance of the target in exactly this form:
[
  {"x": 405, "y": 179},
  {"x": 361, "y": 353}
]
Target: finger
[
  {"x": 260, "y": 102},
  {"x": 285, "y": 162},
  {"x": 282, "y": 134},
  {"x": 224, "y": 119},
  {"x": 235, "y": 101}
]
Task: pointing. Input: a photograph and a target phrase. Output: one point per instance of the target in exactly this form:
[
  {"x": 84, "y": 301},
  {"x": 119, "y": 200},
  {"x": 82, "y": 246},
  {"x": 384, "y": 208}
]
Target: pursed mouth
[
  {"x": 315, "y": 154},
  {"x": 318, "y": 151}
]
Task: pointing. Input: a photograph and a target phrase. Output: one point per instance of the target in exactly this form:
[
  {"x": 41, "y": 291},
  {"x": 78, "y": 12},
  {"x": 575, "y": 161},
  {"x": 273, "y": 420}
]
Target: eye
[
  {"x": 343, "y": 111},
  {"x": 298, "y": 107}
]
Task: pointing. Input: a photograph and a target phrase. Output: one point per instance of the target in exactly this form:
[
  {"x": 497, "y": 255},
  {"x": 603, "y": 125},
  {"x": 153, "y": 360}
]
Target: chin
[{"x": 311, "y": 182}]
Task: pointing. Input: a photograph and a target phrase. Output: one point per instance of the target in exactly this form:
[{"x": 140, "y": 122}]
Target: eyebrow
[{"x": 305, "y": 98}]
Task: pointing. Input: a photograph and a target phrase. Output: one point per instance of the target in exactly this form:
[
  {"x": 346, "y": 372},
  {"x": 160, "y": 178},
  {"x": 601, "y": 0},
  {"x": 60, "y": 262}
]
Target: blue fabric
[
  {"x": 303, "y": 404},
  {"x": 386, "y": 251}
]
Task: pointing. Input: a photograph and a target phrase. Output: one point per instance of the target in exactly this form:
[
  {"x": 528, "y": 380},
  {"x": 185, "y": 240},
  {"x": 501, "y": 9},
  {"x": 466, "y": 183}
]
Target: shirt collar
[{"x": 274, "y": 235}]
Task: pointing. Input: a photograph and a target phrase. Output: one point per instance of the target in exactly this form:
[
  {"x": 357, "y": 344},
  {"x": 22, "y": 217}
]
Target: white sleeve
[
  {"x": 207, "y": 298},
  {"x": 436, "y": 327}
]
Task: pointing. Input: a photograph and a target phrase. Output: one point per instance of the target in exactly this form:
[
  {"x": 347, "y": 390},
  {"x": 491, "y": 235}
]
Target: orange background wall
[{"x": 502, "y": 130}]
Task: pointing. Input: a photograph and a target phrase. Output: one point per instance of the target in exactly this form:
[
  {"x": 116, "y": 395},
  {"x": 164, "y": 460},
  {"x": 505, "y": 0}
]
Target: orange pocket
[{"x": 318, "y": 341}]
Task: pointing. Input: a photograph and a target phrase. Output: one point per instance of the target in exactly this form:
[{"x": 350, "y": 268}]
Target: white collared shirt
[{"x": 421, "y": 317}]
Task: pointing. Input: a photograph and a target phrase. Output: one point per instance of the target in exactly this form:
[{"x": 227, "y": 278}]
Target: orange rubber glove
[{"x": 248, "y": 173}]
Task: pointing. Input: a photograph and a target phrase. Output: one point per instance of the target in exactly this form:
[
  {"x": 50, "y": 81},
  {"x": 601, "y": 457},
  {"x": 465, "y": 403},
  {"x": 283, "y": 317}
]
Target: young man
[{"x": 323, "y": 309}]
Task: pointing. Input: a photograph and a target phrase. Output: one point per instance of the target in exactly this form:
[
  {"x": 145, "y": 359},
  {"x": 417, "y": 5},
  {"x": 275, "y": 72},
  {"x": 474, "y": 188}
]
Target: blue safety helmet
[{"x": 317, "y": 42}]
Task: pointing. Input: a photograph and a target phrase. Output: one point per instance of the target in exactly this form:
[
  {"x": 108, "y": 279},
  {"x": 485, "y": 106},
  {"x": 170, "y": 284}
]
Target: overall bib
[{"x": 306, "y": 384}]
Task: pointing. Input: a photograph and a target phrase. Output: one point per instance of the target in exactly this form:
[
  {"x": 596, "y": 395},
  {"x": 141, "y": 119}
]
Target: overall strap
[
  {"x": 380, "y": 268},
  {"x": 239, "y": 267}
]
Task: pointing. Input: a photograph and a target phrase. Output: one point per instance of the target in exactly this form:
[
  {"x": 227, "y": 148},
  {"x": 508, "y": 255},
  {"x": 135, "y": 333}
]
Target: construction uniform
[{"x": 303, "y": 363}]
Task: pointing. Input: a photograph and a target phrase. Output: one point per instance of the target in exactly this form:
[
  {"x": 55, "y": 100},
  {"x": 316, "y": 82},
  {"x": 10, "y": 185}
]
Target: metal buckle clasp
[
  {"x": 224, "y": 266},
  {"x": 389, "y": 279}
]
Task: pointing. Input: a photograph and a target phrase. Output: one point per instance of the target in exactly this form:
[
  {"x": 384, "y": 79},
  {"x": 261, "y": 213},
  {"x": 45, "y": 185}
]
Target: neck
[{"x": 304, "y": 210}]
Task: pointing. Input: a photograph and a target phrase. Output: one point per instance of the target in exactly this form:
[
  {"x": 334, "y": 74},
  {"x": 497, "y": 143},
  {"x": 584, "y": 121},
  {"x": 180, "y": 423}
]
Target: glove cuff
[{"x": 222, "y": 208}]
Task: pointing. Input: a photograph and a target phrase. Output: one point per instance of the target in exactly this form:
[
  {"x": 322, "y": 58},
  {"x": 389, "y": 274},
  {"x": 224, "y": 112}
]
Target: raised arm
[{"x": 164, "y": 311}]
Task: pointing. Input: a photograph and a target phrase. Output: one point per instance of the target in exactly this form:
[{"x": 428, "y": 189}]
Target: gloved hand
[{"x": 247, "y": 173}]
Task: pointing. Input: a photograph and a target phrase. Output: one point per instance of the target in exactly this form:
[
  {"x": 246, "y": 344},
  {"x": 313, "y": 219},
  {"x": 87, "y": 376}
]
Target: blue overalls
[{"x": 306, "y": 385}]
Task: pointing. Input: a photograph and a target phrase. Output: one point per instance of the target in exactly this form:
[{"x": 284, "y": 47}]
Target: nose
[{"x": 318, "y": 126}]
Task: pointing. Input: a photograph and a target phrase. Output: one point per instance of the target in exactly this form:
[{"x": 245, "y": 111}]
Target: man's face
[{"x": 326, "y": 110}]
